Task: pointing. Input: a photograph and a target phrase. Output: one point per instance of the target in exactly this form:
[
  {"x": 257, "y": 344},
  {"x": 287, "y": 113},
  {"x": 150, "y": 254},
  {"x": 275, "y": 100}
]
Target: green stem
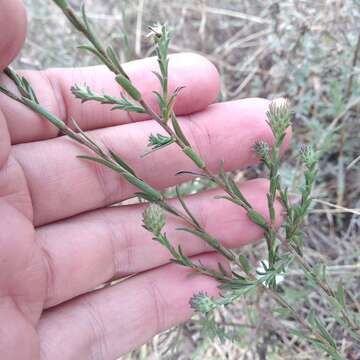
[{"x": 323, "y": 285}]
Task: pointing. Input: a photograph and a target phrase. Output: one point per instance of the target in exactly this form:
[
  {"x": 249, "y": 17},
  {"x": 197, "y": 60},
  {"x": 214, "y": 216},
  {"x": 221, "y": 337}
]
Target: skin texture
[{"x": 58, "y": 239}]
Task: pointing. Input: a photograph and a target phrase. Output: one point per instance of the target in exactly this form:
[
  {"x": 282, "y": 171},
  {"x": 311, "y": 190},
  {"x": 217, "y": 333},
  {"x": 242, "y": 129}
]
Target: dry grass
[{"x": 305, "y": 50}]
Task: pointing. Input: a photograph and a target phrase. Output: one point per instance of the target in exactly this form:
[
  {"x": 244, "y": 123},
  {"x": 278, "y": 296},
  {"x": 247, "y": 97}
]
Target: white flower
[{"x": 262, "y": 268}]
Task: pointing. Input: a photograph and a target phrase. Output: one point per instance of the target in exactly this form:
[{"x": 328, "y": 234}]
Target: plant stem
[
  {"x": 282, "y": 302},
  {"x": 324, "y": 286}
]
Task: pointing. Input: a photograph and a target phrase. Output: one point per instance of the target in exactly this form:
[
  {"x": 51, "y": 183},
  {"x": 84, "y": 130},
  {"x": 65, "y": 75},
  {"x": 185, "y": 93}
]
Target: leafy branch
[
  {"x": 283, "y": 250},
  {"x": 84, "y": 93}
]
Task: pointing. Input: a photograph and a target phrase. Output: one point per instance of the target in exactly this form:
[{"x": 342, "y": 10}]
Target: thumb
[{"x": 12, "y": 30}]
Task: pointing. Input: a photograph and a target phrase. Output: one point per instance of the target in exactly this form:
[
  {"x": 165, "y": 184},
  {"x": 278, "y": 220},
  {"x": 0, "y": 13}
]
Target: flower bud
[
  {"x": 202, "y": 302},
  {"x": 154, "y": 219}
]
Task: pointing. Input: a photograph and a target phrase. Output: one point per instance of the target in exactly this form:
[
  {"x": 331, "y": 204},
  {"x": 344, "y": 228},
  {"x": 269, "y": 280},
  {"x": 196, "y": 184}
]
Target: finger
[
  {"x": 4, "y": 141},
  {"x": 108, "y": 243},
  {"x": 225, "y": 131},
  {"x": 12, "y": 30},
  {"x": 113, "y": 321},
  {"x": 52, "y": 87}
]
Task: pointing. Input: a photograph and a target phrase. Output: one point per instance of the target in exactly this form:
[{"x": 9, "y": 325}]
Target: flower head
[{"x": 154, "y": 219}]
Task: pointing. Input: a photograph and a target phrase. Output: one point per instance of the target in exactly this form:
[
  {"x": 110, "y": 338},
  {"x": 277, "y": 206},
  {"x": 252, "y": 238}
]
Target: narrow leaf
[
  {"x": 84, "y": 135},
  {"x": 194, "y": 157},
  {"x": 121, "y": 162},
  {"x": 178, "y": 130},
  {"x": 245, "y": 263},
  {"x": 128, "y": 86},
  {"x": 185, "y": 207},
  {"x": 113, "y": 57},
  {"x": 192, "y": 173},
  {"x": 258, "y": 219},
  {"x": 341, "y": 294}
]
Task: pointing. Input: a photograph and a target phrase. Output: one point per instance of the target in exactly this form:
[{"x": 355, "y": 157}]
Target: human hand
[{"x": 59, "y": 239}]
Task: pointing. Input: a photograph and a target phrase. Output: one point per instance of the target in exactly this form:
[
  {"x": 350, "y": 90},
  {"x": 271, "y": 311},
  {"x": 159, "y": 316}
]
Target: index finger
[
  {"x": 197, "y": 74},
  {"x": 12, "y": 30}
]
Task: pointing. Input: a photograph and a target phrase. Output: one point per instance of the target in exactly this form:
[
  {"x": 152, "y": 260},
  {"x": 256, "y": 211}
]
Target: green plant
[{"x": 284, "y": 245}]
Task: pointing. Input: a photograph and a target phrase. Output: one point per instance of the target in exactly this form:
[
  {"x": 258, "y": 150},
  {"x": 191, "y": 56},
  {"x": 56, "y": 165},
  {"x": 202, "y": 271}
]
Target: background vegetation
[{"x": 308, "y": 51}]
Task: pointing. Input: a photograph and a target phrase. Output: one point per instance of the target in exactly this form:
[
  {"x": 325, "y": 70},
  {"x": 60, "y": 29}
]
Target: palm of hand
[{"x": 23, "y": 279}]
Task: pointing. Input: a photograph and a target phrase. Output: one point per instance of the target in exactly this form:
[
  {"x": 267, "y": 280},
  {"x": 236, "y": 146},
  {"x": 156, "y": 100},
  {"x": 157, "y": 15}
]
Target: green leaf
[
  {"x": 340, "y": 294},
  {"x": 236, "y": 191},
  {"x": 258, "y": 219},
  {"x": 84, "y": 16},
  {"x": 147, "y": 197},
  {"x": 168, "y": 208},
  {"x": 192, "y": 173},
  {"x": 160, "y": 100},
  {"x": 93, "y": 51},
  {"x": 84, "y": 93},
  {"x": 211, "y": 241},
  {"x": 127, "y": 85},
  {"x": 113, "y": 57},
  {"x": 158, "y": 141},
  {"x": 242, "y": 285},
  {"x": 22, "y": 84},
  {"x": 178, "y": 130},
  {"x": 202, "y": 235},
  {"x": 194, "y": 157},
  {"x": 171, "y": 102},
  {"x": 121, "y": 162},
  {"x": 61, "y": 3},
  {"x": 328, "y": 349},
  {"x": 101, "y": 161},
  {"x": 222, "y": 173},
  {"x": 126, "y": 105},
  {"x": 85, "y": 136},
  {"x": 233, "y": 200},
  {"x": 140, "y": 184},
  {"x": 90, "y": 34},
  {"x": 157, "y": 75},
  {"x": 325, "y": 334},
  {"x": 222, "y": 269},
  {"x": 238, "y": 197},
  {"x": 52, "y": 118},
  {"x": 245, "y": 263},
  {"x": 347, "y": 327},
  {"x": 185, "y": 207}
]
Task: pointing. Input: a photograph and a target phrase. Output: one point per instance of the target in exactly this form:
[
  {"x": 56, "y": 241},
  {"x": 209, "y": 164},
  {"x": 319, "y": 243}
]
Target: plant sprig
[{"x": 244, "y": 278}]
